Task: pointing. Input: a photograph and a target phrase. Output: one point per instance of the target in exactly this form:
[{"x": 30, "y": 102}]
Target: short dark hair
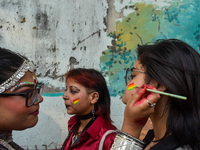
[
  {"x": 93, "y": 81},
  {"x": 176, "y": 65},
  {"x": 9, "y": 63}
]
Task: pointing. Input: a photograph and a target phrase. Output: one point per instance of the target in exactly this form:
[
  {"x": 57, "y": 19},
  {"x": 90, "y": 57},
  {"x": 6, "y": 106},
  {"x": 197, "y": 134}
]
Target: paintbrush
[
  {"x": 167, "y": 94},
  {"x": 132, "y": 86}
]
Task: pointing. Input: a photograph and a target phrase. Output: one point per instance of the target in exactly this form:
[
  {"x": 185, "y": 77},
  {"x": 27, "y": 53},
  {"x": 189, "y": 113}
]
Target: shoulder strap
[{"x": 104, "y": 137}]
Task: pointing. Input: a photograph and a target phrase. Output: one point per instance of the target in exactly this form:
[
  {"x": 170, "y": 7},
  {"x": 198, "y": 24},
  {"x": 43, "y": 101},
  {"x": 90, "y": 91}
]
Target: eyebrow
[
  {"x": 74, "y": 87},
  {"x": 25, "y": 85}
]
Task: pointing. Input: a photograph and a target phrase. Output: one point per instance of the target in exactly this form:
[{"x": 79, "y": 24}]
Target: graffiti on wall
[{"x": 147, "y": 23}]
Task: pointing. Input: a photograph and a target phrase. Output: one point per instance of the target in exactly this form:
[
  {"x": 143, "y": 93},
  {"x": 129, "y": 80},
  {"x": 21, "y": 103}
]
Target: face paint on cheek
[
  {"x": 76, "y": 101},
  {"x": 131, "y": 86}
]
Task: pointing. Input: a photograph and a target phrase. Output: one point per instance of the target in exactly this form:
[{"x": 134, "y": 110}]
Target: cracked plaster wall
[
  {"x": 101, "y": 34},
  {"x": 56, "y": 35}
]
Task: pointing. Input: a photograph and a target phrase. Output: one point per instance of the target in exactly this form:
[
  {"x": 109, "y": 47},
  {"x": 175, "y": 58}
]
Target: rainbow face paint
[
  {"x": 131, "y": 86},
  {"x": 76, "y": 101}
]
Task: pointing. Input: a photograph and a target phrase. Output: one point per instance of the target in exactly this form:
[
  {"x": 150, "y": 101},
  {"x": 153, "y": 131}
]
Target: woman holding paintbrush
[{"x": 171, "y": 67}]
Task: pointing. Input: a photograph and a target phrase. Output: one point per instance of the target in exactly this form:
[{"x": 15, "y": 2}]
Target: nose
[
  {"x": 40, "y": 98},
  {"x": 65, "y": 97}
]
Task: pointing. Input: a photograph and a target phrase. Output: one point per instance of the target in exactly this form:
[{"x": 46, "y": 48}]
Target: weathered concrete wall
[{"x": 102, "y": 34}]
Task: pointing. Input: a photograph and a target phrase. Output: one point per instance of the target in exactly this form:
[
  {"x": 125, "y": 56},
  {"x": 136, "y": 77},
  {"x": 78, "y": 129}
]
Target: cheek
[
  {"x": 131, "y": 88},
  {"x": 127, "y": 95},
  {"x": 76, "y": 101},
  {"x": 15, "y": 116}
]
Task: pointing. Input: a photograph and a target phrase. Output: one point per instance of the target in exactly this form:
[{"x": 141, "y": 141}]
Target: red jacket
[{"x": 91, "y": 138}]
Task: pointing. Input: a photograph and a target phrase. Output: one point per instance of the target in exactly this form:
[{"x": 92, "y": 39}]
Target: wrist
[
  {"x": 132, "y": 128},
  {"x": 126, "y": 141}
]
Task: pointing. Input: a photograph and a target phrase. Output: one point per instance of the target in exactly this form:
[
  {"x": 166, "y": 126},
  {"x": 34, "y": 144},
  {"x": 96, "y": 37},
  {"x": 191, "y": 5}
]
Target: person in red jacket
[{"x": 88, "y": 99}]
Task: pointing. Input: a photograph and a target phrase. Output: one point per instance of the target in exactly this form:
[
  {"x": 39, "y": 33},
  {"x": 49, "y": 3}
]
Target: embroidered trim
[
  {"x": 6, "y": 145},
  {"x": 26, "y": 66}
]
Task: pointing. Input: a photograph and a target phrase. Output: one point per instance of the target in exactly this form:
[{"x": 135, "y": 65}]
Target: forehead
[
  {"x": 29, "y": 76},
  {"x": 73, "y": 83}
]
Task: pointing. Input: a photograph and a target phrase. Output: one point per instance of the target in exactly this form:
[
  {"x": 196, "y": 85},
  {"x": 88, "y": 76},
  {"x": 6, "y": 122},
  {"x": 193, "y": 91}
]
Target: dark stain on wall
[
  {"x": 73, "y": 61},
  {"x": 80, "y": 41},
  {"x": 42, "y": 21},
  {"x": 23, "y": 20}
]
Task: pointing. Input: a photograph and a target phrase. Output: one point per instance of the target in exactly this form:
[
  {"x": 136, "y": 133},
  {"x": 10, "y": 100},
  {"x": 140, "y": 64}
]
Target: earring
[
  {"x": 97, "y": 98},
  {"x": 93, "y": 113}
]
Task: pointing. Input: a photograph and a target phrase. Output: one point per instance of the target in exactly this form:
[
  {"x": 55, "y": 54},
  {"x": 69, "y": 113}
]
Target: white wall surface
[
  {"x": 62, "y": 34},
  {"x": 51, "y": 130}
]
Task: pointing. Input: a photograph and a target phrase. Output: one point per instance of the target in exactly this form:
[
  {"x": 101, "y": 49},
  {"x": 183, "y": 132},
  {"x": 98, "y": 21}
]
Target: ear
[
  {"x": 154, "y": 83},
  {"x": 162, "y": 88},
  {"x": 95, "y": 97}
]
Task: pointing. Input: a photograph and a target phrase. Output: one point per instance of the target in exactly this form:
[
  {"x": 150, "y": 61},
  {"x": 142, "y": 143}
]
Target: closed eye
[{"x": 73, "y": 92}]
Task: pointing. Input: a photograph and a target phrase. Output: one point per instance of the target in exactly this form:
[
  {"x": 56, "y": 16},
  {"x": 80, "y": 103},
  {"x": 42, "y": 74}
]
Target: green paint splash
[{"x": 147, "y": 23}]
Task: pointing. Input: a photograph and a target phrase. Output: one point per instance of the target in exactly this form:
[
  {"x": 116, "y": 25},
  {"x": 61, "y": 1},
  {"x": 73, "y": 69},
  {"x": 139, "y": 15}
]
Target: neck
[
  {"x": 84, "y": 120},
  {"x": 159, "y": 118},
  {"x": 6, "y": 136},
  {"x": 85, "y": 117}
]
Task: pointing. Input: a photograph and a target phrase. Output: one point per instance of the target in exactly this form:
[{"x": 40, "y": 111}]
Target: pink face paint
[
  {"x": 139, "y": 102},
  {"x": 131, "y": 86},
  {"x": 76, "y": 101}
]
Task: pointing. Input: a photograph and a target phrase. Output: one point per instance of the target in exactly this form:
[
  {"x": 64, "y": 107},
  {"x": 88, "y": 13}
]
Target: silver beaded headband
[{"x": 26, "y": 66}]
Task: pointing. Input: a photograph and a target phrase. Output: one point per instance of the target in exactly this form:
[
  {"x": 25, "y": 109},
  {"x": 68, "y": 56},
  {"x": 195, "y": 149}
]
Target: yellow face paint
[
  {"x": 76, "y": 101},
  {"x": 131, "y": 86}
]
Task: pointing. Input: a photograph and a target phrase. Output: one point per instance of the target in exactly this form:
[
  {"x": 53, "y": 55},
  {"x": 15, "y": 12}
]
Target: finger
[
  {"x": 137, "y": 95},
  {"x": 150, "y": 101}
]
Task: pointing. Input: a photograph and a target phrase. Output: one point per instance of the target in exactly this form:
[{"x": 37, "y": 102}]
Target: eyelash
[
  {"x": 132, "y": 76},
  {"x": 72, "y": 91}
]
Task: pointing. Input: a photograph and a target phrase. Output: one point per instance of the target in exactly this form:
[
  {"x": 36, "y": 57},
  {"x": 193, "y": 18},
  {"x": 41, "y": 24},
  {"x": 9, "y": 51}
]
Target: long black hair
[
  {"x": 9, "y": 63},
  {"x": 176, "y": 65}
]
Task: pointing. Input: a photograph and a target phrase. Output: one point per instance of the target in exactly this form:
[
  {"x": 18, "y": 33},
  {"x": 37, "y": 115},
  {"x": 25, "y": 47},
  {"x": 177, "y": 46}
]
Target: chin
[
  {"x": 31, "y": 124},
  {"x": 70, "y": 113},
  {"x": 123, "y": 100}
]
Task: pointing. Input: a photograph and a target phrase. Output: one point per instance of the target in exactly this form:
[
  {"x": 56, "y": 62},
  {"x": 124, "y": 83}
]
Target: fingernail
[
  {"x": 142, "y": 89},
  {"x": 143, "y": 86}
]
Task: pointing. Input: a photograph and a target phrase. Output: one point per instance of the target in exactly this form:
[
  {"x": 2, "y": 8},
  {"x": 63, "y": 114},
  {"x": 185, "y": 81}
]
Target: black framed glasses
[
  {"x": 30, "y": 95},
  {"x": 129, "y": 74}
]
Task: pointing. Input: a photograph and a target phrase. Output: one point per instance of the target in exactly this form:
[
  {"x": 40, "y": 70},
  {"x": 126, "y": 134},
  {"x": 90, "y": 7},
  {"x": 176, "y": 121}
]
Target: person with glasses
[
  {"x": 167, "y": 66},
  {"x": 20, "y": 95}
]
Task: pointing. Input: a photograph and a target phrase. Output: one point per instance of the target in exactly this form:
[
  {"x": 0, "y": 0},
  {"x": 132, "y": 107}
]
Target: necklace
[
  {"x": 85, "y": 117},
  {"x": 76, "y": 135}
]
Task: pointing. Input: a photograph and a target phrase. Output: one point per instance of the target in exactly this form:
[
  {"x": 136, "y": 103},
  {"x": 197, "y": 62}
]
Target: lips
[
  {"x": 35, "y": 112},
  {"x": 67, "y": 106}
]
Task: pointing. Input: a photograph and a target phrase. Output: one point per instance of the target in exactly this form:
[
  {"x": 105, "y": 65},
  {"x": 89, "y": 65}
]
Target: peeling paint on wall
[
  {"x": 102, "y": 34},
  {"x": 52, "y": 32}
]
